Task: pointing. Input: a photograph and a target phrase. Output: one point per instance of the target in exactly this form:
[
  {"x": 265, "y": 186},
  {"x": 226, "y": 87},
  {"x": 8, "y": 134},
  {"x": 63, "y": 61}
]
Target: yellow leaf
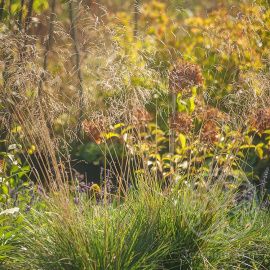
[
  {"x": 110, "y": 135},
  {"x": 16, "y": 129},
  {"x": 259, "y": 152},
  {"x": 119, "y": 125},
  {"x": 183, "y": 140}
]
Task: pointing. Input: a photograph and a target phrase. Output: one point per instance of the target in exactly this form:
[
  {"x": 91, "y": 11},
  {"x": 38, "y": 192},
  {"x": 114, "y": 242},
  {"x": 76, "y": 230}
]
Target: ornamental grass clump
[
  {"x": 185, "y": 227},
  {"x": 94, "y": 236},
  {"x": 10, "y": 226}
]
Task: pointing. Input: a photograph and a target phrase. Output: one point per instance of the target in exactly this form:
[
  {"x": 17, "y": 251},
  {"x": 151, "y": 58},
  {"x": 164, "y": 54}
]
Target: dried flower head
[
  {"x": 184, "y": 75},
  {"x": 181, "y": 122},
  {"x": 212, "y": 114},
  {"x": 140, "y": 116},
  {"x": 93, "y": 129},
  {"x": 261, "y": 119},
  {"x": 210, "y": 132}
]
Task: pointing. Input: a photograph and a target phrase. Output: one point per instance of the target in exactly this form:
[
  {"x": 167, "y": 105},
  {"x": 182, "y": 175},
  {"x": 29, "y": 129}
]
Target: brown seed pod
[
  {"x": 184, "y": 75},
  {"x": 261, "y": 120},
  {"x": 181, "y": 122}
]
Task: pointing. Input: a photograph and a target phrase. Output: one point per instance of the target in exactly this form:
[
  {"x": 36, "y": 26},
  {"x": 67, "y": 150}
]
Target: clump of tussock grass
[
  {"x": 9, "y": 241},
  {"x": 184, "y": 228}
]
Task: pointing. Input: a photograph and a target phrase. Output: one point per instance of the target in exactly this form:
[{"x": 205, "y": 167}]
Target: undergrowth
[{"x": 182, "y": 228}]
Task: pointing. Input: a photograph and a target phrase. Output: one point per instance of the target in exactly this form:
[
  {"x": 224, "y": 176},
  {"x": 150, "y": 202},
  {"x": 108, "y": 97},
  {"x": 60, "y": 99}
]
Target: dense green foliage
[{"x": 187, "y": 228}]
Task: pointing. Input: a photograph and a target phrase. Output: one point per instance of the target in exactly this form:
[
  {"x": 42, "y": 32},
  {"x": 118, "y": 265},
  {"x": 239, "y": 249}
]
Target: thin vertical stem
[
  {"x": 47, "y": 47},
  {"x": 26, "y": 29},
  {"x": 156, "y": 137},
  {"x": 20, "y": 15},
  {"x": 106, "y": 206},
  {"x": 28, "y": 16},
  {"x": 9, "y": 13},
  {"x": 45, "y": 65},
  {"x": 73, "y": 33},
  {"x": 172, "y": 133},
  {"x": 2, "y": 4},
  {"x": 136, "y": 17}
]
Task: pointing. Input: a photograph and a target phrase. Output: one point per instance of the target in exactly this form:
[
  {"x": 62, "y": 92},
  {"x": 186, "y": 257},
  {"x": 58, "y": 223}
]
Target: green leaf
[
  {"x": 259, "y": 151},
  {"x": 191, "y": 104},
  {"x": 182, "y": 106},
  {"x": 266, "y": 131},
  {"x": 246, "y": 146},
  {"x": 40, "y": 5},
  {"x": 14, "y": 169},
  {"x": 5, "y": 190},
  {"x": 183, "y": 140}
]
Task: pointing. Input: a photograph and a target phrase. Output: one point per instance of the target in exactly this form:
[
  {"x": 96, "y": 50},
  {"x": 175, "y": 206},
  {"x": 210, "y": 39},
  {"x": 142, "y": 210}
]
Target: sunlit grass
[{"x": 150, "y": 229}]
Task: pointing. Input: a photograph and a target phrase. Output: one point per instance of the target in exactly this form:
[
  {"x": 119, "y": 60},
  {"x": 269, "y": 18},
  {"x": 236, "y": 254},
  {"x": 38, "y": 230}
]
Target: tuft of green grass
[
  {"x": 183, "y": 228},
  {"x": 10, "y": 226}
]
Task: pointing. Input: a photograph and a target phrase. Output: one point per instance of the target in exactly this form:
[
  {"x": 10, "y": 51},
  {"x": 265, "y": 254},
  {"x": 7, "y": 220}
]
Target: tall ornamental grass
[{"x": 185, "y": 227}]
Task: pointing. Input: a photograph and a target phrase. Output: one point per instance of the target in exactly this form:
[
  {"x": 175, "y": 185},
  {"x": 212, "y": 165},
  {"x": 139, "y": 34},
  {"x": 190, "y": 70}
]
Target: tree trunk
[
  {"x": 47, "y": 48},
  {"x": 2, "y": 4},
  {"x": 28, "y": 16},
  {"x": 20, "y": 16},
  {"x": 73, "y": 33},
  {"x": 136, "y": 17}
]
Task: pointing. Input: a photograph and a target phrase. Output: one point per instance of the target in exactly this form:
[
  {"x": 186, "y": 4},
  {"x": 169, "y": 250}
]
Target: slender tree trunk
[
  {"x": 47, "y": 48},
  {"x": 2, "y": 4},
  {"x": 43, "y": 100},
  {"x": 28, "y": 16},
  {"x": 136, "y": 16},
  {"x": 20, "y": 17},
  {"x": 9, "y": 13},
  {"x": 26, "y": 30},
  {"x": 73, "y": 33}
]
